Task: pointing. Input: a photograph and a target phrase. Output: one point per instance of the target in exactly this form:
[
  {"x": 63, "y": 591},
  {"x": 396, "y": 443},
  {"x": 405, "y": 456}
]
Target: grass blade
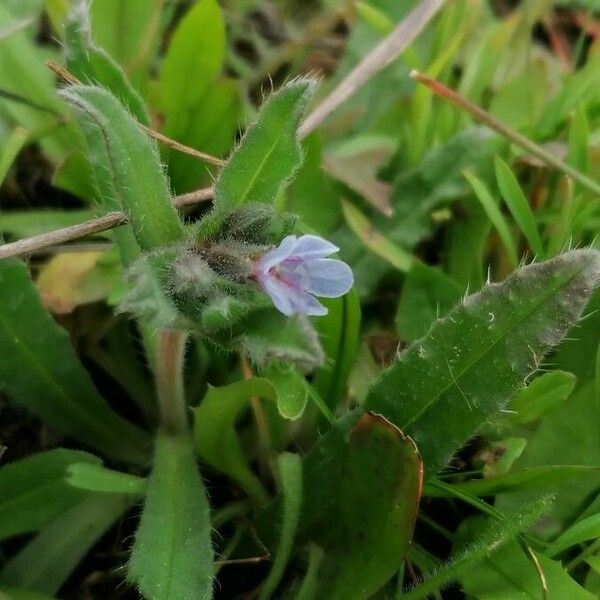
[
  {"x": 495, "y": 216},
  {"x": 519, "y": 206}
]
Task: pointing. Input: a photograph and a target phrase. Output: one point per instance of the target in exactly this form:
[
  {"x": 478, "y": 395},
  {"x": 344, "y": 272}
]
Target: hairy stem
[{"x": 169, "y": 380}]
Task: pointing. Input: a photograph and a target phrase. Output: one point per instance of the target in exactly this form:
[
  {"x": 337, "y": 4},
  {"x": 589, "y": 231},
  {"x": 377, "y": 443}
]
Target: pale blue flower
[{"x": 297, "y": 271}]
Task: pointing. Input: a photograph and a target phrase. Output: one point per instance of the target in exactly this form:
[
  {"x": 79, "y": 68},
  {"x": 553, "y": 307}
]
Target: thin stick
[
  {"x": 508, "y": 132},
  {"x": 67, "y": 76},
  {"x": 108, "y": 221},
  {"x": 167, "y": 141},
  {"x": 382, "y": 55}
]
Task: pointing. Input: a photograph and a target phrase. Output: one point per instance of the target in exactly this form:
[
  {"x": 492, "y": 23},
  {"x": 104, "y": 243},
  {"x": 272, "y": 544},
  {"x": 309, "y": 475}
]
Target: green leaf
[
  {"x": 516, "y": 481},
  {"x": 519, "y": 206},
  {"x": 466, "y": 245},
  {"x": 579, "y": 135},
  {"x": 312, "y": 195},
  {"x": 172, "y": 554},
  {"x": 191, "y": 64},
  {"x": 437, "y": 181},
  {"x": 46, "y": 562},
  {"x": 321, "y": 483},
  {"x": 92, "y": 65},
  {"x": 24, "y": 73},
  {"x": 567, "y": 435},
  {"x": 376, "y": 510},
  {"x": 492, "y": 538},
  {"x": 127, "y": 167},
  {"x": 582, "y": 531},
  {"x": 291, "y": 390},
  {"x": 542, "y": 395},
  {"x": 374, "y": 240},
  {"x": 13, "y": 145},
  {"x": 127, "y": 30},
  {"x": 41, "y": 371},
  {"x": 510, "y": 574},
  {"x": 308, "y": 589},
  {"x": 290, "y": 473},
  {"x": 215, "y": 438},
  {"x": 32, "y": 222},
  {"x": 12, "y": 593},
  {"x": 467, "y": 367},
  {"x": 267, "y": 157},
  {"x": 96, "y": 478},
  {"x": 378, "y": 20},
  {"x": 339, "y": 332},
  {"x": 427, "y": 294},
  {"x": 269, "y": 336},
  {"x": 495, "y": 216},
  {"x": 212, "y": 127},
  {"x": 33, "y": 491}
]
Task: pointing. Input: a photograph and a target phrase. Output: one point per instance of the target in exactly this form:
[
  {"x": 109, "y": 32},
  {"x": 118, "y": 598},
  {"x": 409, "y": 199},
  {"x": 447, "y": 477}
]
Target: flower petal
[
  {"x": 277, "y": 255},
  {"x": 279, "y": 294},
  {"x": 311, "y": 306},
  {"x": 313, "y": 246},
  {"x": 291, "y": 301},
  {"x": 328, "y": 277}
]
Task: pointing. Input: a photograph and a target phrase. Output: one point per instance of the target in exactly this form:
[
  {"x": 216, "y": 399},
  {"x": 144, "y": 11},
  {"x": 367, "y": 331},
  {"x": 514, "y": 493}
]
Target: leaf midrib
[
  {"x": 501, "y": 336},
  {"x": 262, "y": 164}
]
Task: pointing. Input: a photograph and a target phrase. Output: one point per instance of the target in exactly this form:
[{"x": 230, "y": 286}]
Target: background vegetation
[{"x": 455, "y": 386}]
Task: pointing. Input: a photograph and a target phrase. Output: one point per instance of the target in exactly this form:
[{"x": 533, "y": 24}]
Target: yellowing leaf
[{"x": 71, "y": 279}]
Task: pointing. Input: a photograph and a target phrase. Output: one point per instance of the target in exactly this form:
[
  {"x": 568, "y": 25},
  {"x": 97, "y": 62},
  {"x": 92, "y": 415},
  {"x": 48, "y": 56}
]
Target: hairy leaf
[
  {"x": 172, "y": 555},
  {"x": 443, "y": 387},
  {"x": 427, "y": 295},
  {"x": 127, "y": 167},
  {"x": 267, "y": 157},
  {"x": 93, "y": 65},
  {"x": 96, "y": 478},
  {"x": 492, "y": 538},
  {"x": 269, "y": 336}
]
